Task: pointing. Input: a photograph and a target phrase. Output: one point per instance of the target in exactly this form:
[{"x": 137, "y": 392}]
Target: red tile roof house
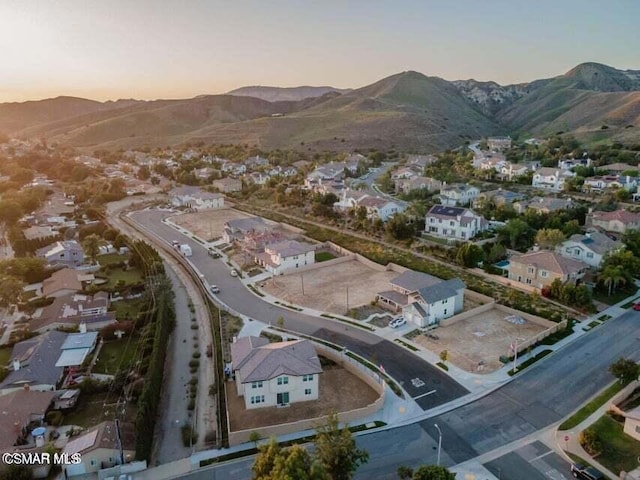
[
  {"x": 539, "y": 269},
  {"x": 618, "y": 221}
]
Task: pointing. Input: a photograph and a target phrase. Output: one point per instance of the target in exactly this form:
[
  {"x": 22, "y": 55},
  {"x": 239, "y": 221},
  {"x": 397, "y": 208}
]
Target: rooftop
[
  {"x": 550, "y": 261},
  {"x": 16, "y": 410},
  {"x": 65, "y": 279}
]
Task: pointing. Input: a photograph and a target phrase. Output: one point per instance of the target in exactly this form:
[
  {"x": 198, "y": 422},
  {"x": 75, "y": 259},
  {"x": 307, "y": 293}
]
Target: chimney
[
  {"x": 83, "y": 327},
  {"x": 16, "y": 364}
]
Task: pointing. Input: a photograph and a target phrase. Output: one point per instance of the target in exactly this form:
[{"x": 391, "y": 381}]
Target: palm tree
[
  {"x": 613, "y": 277},
  {"x": 91, "y": 246}
]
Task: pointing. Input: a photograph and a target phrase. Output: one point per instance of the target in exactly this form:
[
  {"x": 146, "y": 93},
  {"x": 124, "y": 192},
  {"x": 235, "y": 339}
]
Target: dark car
[
  {"x": 586, "y": 473},
  {"x": 636, "y": 307}
]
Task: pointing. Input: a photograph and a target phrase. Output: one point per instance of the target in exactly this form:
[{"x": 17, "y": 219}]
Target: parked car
[
  {"x": 636, "y": 307},
  {"x": 397, "y": 322},
  {"x": 214, "y": 289},
  {"x": 586, "y": 473},
  {"x": 233, "y": 272}
]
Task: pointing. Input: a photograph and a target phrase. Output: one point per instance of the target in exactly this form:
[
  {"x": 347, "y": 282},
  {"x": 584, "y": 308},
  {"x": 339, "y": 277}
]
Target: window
[
  {"x": 530, "y": 269},
  {"x": 445, "y": 300},
  {"x": 568, "y": 250},
  {"x": 257, "y": 399},
  {"x": 93, "y": 461},
  {"x": 307, "y": 378},
  {"x": 543, "y": 273},
  {"x": 307, "y": 391},
  {"x": 528, "y": 281},
  {"x": 452, "y": 223},
  {"x": 283, "y": 380},
  {"x": 589, "y": 255},
  {"x": 256, "y": 384},
  {"x": 445, "y": 311},
  {"x": 637, "y": 428}
]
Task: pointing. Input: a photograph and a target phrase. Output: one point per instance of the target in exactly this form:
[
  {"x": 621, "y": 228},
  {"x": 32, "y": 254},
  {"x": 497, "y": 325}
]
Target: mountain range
[{"x": 408, "y": 111}]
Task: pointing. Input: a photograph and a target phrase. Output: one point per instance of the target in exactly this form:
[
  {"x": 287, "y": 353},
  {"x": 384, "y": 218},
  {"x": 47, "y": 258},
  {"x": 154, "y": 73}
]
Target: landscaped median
[{"x": 590, "y": 408}]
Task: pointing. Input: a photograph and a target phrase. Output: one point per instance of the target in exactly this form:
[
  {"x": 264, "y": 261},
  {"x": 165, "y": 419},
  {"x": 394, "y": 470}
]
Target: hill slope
[{"x": 285, "y": 94}]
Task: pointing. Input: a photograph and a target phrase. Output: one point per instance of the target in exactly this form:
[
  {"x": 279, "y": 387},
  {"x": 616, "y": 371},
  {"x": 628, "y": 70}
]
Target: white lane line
[{"x": 424, "y": 394}]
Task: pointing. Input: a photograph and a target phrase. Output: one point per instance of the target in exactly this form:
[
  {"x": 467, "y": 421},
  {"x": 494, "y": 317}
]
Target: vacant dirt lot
[
  {"x": 475, "y": 344},
  {"x": 339, "y": 391},
  {"x": 208, "y": 224},
  {"x": 325, "y": 288}
]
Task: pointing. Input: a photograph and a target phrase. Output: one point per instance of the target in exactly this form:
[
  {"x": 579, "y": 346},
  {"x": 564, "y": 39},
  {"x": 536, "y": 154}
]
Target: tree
[
  {"x": 631, "y": 239},
  {"x": 549, "y": 238},
  {"x": 10, "y": 290},
  {"x": 336, "y": 450},
  {"x": 399, "y": 227},
  {"x": 469, "y": 255},
  {"x": 514, "y": 229},
  {"x": 590, "y": 442},
  {"x": 10, "y": 212},
  {"x": 612, "y": 277},
  {"x": 255, "y": 437},
  {"x": 275, "y": 463},
  {"x": 16, "y": 472},
  {"x": 426, "y": 472},
  {"x": 625, "y": 370},
  {"x": 444, "y": 356},
  {"x": 496, "y": 253},
  {"x": 91, "y": 246}
]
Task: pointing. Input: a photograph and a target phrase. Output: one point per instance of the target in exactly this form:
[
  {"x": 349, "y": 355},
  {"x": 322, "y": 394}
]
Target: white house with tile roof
[
  {"x": 288, "y": 255},
  {"x": 589, "y": 248},
  {"x": 454, "y": 223},
  {"x": 275, "y": 374},
  {"x": 551, "y": 178}
]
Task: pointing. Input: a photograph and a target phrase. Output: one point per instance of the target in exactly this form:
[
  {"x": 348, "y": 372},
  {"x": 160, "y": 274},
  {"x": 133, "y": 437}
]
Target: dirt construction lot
[
  {"x": 325, "y": 288},
  {"x": 209, "y": 224},
  {"x": 340, "y": 391},
  {"x": 478, "y": 340}
]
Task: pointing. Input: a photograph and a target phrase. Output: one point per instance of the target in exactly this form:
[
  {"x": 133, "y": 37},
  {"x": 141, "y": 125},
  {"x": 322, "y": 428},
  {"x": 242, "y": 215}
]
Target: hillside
[
  {"x": 407, "y": 111},
  {"x": 285, "y": 94}
]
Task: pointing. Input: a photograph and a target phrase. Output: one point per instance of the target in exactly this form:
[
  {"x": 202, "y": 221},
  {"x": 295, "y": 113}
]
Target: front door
[{"x": 283, "y": 398}]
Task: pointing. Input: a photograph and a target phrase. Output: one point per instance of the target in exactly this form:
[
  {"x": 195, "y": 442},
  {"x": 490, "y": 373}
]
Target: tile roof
[
  {"x": 596, "y": 241},
  {"x": 16, "y": 410},
  {"x": 623, "y": 216},
  {"x": 65, "y": 279},
  {"x": 290, "y": 248},
  {"x": 267, "y": 361},
  {"x": 550, "y": 261}
]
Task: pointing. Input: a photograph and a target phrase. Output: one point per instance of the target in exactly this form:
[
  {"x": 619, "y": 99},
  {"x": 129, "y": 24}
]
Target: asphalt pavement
[{"x": 535, "y": 461}]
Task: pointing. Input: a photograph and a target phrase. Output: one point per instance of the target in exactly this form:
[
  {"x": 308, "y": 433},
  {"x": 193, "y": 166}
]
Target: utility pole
[
  {"x": 347, "y": 298},
  {"x": 439, "y": 442},
  {"x": 302, "y": 282}
]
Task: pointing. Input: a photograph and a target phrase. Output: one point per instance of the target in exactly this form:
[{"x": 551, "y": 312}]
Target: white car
[
  {"x": 397, "y": 322},
  {"x": 214, "y": 289},
  {"x": 233, "y": 272}
]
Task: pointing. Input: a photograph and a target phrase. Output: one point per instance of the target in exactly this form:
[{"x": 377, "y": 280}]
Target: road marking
[
  {"x": 541, "y": 456},
  {"x": 424, "y": 394}
]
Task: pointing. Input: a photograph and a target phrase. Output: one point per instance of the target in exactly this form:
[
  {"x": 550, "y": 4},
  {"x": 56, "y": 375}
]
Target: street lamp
[{"x": 439, "y": 441}]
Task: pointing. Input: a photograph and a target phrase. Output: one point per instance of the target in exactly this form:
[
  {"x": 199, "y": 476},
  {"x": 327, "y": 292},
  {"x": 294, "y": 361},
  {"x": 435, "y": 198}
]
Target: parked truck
[{"x": 185, "y": 250}]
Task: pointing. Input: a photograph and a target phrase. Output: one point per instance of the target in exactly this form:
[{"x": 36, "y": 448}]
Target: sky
[{"x": 182, "y": 48}]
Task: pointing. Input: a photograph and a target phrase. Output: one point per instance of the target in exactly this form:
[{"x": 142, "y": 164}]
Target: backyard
[
  {"x": 116, "y": 355},
  {"x": 334, "y": 288},
  {"x": 128, "y": 309},
  {"x": 93, "y": 408}
]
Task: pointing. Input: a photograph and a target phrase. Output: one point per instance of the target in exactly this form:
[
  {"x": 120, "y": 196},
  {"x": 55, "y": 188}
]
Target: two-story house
[
  {"x": 196, "y": 198},
  {"x": 543, "y": 205},
  {"x": 552, "y": 179},
  {"x": 275, "y": 374},
  {"x": 378, "y": 207},
  {"x": 458, "y": 194},
  {"x": 540, "y": 268},
  {"x": 589, "y": 248},
  {"x": 454, "y": 223},
  {"x": 227, "y": 185},
  {"x": 74, "y": 310},
  {"x": 423, "y": 299},
  {"x": 285, "y": 256},
  {"x": 602, "y": 183},
  {"x": 618, "y": 221},
  {"x": 66, "y": 252},
  {"x": 418, "y": 183},
  {"x": 499, "y": 143},
  {"x": 499, "y": 198}
]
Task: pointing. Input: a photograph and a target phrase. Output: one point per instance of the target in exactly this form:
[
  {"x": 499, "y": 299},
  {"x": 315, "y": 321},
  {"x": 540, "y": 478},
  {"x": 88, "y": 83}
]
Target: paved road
[
  {"x": 535, "y": 461},
  {"x": 545, "y": 393},
  {"x": 398, "y": 362}
]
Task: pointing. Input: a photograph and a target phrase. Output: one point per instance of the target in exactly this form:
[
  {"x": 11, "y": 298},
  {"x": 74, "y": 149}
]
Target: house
[
  {"x": 275, "y": 374},
  {"x": 205, "y": 173},
  {"x": 458, "y": 194},
  {"x": 65, "y": 281},
  {"x": 540, "y": 268},
  {"x": 404, "y": 173},
  {"x": 380, "y": 208},
  {"x": 227, "y": 185},
  {"x": 511, "y": 171},
  {"x": 420, "y": 161},
  {"x": 570, "y": 163},
  {"x": 488, "y": 161},
  {"x": 551, "y": 178},
  {"x": 601, "y": 183},
  {"x": 195, "y": 198},
  {"x": 499, "y": 143},
  {"x": 589, "y": 248},
  {"x": 454, "y": 223},
  {"x": 632, "y": 423},
  {"x": 543, "y": 205},
  {"x": 33, "y": 364},
  {"x": 103, "y": 446},
  {"x": 235, "y": 230},
  {"x": 285, "y": 256},
  {"x": 66, "y": 252},
  {"x": 20, "y": 409},
  {"x": 500, "y": 198},
  {"x": 330, "y": 172},
  {"x": 256, "y": 162},
  {"x": 618, "y": 221},
  {"x": 418, "y": 183},
  {"x": 76, "y": 348},
  {"x": 423, "y": 299},
  {"x": 618, "y": 168},
  {"x": 37, "y": 231},
  {"x": 74, "y": 310}
]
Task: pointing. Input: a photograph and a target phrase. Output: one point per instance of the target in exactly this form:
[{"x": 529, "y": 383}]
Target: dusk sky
[{"x": 167, "y": 49}]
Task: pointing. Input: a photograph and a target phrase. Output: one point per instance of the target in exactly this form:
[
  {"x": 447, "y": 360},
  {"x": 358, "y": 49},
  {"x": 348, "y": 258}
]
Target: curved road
[
  {"x": 401, "y": 364},
  {"x": 539, "y": 397}
]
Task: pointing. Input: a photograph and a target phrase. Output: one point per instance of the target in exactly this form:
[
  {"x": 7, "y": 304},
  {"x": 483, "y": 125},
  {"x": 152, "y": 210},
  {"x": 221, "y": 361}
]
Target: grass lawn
[
  {"x": 127, "y": 309},
  {"x": 615, "y": 297},
  {"x": 5, "y": 356},
  {"x": 110, "y": 258},
  {"x": 619, "y": 450},
  {"x": 94, "y": 408},
  {"x": 324, "y": 256},
  {"x": 130, "y": 276},
  {"x": 591, "y": 407},
  {"x": 115, "y": 354}
]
